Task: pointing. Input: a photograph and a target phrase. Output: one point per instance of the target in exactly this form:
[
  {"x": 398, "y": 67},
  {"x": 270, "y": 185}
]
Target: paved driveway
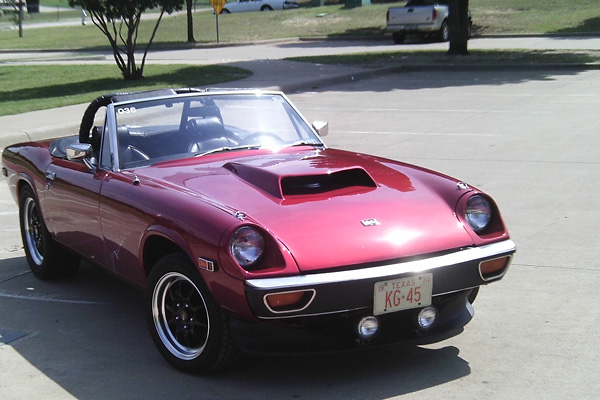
[{"x": 529, "y": 138}]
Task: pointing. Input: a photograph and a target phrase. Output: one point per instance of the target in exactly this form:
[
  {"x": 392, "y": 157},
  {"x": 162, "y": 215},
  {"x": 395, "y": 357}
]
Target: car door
[
  {"x": 122, "y": 218},
  {"x": 245, "y": 5},
  {"x": 255, "y": 5},
  {"x": 71, "y": 206}
]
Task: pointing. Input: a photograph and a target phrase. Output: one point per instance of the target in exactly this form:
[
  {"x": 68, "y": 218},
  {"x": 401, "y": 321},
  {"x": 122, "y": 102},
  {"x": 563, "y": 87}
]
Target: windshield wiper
[
  {"x": 227, "y": 148},
  {"x": 306, "y": 143}
]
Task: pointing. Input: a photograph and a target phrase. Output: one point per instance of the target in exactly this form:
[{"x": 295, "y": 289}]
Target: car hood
[{"x": 330, "y": 208}]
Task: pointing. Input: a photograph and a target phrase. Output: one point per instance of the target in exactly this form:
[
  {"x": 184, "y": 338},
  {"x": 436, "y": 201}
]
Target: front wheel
[
  {"x": 46, "y": 258},
  {"x": 186, "y": 324}
]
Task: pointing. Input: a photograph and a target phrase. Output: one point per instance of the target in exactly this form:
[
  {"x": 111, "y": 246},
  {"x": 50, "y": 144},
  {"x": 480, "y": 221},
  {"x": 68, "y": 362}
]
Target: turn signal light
[
  {"x": 494, "y": 268},
  {"x": 289, "y": 301}
]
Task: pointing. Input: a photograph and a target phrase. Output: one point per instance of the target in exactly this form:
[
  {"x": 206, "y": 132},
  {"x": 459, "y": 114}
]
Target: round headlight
[
  {"x": 478, "y": 213},
  {"x": 247, "y": 245}
]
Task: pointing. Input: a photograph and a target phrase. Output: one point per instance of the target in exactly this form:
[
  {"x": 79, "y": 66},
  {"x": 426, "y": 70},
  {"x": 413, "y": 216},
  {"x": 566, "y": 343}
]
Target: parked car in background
[
  {"x": 257, "y": 5},
  {"x": 420, "y": 17},
  {"x": 245, "y": 230}
]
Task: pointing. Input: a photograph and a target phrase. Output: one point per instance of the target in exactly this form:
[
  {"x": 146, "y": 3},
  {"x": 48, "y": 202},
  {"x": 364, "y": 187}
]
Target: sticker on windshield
[{"x": 126, "y": 110}]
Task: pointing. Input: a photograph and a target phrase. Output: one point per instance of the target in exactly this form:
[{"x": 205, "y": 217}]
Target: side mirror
[
  {"x": 322, "y": 127},
  {"x": 81, "y": 152}
]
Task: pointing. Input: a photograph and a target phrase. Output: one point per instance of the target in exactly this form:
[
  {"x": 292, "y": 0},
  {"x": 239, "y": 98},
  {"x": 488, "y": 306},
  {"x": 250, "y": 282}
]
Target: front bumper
[
  {"x": 353, "y": 290},
  {"x": 337, "y": 332}
]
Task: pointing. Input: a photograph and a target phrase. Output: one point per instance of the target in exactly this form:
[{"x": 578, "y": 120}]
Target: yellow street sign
[{"x": 218, "y": 5}]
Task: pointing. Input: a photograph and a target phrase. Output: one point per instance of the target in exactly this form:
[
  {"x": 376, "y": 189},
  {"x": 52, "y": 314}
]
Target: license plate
[{"x": 402, "y": 294}]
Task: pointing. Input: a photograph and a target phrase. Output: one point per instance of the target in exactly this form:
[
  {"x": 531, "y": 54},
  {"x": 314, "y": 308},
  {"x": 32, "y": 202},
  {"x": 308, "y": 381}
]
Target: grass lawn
[
  {"x": 52, "y": 86},
  {"x": 489, "y": 16},
  {"x": 536, "y": 16}
]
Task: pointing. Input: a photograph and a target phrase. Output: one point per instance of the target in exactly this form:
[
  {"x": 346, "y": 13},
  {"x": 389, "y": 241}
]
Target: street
[{"x": 526, "y": 137}]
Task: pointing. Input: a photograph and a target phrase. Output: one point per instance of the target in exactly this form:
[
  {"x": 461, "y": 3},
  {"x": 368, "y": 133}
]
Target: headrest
[
  {"x": 96, "y": 136},
  {"x": 123, "y": 137},
  {"x": 207, "y": 128},
  {"x": 205, "y": 111}
]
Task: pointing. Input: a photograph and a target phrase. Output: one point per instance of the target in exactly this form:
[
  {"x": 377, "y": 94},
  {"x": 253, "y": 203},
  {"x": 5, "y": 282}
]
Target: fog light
[
  {"x": 368, "y": 327},
  {"x": 427, "y": 317}
]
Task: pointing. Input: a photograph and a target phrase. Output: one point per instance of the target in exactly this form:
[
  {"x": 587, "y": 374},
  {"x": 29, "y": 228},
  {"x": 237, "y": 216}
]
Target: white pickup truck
[{"x": 423, "y": 17}]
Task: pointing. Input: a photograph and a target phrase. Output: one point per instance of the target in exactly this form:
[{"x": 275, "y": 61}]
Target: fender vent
[{"x": 315, "y": 184}]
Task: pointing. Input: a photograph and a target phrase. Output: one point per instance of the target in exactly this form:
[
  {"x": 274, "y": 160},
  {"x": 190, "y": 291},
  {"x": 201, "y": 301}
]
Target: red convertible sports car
[{"x": 246, "y": 231}]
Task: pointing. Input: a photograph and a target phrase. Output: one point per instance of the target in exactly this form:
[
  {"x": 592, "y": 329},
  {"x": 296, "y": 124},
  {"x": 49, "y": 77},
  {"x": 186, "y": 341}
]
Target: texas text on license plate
[{"x": 402, "y": 294}]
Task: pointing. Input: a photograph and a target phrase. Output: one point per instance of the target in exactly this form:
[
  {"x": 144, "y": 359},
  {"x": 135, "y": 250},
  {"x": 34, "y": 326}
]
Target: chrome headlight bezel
[
  {"x": 247, "y": 246},
  {"x": 479, "y": 213}
]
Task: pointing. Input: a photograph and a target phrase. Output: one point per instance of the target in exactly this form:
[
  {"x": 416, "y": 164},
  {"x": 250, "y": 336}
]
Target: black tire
[
  {"x": 398, "y": 37},
  {"x": 46, "y": 258},
  {"x": 186, "y": 324},
  {"x": 444, "y": 33},
  {"x": 266, "y": 8},
  {"x": 225, "y": 11}
]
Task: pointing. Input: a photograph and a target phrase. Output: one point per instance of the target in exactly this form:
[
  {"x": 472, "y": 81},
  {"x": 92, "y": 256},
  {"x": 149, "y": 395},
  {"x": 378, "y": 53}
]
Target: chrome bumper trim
[{"x": 383, "y": 271}]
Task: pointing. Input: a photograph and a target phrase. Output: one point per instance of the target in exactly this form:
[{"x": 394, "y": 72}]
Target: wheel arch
[
  {"x": 158, "y": 243},
  {"x": 25, "y": 180}
]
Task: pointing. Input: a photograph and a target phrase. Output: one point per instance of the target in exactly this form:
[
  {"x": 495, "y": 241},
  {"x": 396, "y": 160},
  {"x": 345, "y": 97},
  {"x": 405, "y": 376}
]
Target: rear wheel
[
  {"x": 444, "y": 33},
  {"x": 186, "y": 324},
  {"x": 398, "y": 37},
  {"x": 266, "y": 8},
  {"x": 46, "y": 258}
]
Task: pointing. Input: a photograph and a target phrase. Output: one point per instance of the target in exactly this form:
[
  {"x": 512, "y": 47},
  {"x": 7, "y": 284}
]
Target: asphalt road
[{"x": 529, "y": 138}]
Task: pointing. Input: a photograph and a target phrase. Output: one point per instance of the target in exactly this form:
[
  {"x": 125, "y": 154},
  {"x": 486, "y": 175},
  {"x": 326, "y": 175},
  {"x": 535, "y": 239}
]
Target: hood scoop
[{"x": 281, "y": 185}]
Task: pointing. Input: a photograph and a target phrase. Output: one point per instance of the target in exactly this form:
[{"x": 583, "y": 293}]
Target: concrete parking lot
[{"x": 529, "y": 138}]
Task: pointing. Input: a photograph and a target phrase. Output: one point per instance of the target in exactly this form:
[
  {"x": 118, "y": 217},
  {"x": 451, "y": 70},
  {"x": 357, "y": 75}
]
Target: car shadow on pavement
[{"x": 87, "y": 335}]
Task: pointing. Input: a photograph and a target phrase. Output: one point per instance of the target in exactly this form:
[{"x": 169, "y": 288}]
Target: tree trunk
[
  {"x": 459, "y": 27},
  {"x": 190, "y": 21}
]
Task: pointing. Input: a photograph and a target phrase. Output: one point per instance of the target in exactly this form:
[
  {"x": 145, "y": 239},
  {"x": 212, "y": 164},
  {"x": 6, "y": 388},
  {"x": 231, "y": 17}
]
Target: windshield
[{"x": 164, "y": 129}]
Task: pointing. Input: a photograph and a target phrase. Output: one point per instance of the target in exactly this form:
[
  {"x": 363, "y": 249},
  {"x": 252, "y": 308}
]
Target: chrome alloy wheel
[
  {"x": 180, "y": 316},
  {"x": 33, "y": 226}
]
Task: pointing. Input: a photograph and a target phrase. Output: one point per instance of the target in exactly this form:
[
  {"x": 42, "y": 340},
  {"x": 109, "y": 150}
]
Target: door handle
[{"x": 50, "y": 176}]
